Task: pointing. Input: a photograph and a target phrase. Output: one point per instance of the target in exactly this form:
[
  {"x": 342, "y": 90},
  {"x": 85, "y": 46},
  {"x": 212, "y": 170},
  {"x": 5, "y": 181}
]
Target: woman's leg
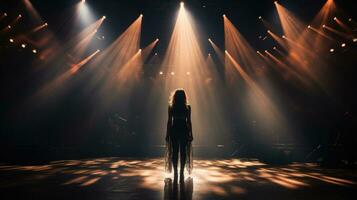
[
  {"x": 183, "y": 149},
  {"x": 175, "y": 151}
]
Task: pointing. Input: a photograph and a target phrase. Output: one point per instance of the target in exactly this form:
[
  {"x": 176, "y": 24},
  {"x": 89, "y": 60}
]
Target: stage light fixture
[
  {"x": 308, "y": 26},
  {"x": 332, "y": 50},
  {"x": 268, "y": 31},
  {"x": 172, "y": 73},
  {"x": 83, "y": 1},
  {"x": 46, "y": 24},
  {"x": 266, "y": 51},
  {"x": 324, "y": 26},
  {"x": 182, "y": 4},
  {"x": 335, "y": 18},
  {"x": 141, "y": 15},
  {"x": 34, "y": 51},
  {"x": 274, "y": 48},
  {"x": 23, "y": 45},
  {"x": 275, "y": 2},
  {"x": 104, "y": 17},
  {"x": 350, "y": 19},
  {"x": 5, "y": 14},
  {"x": 224, "y": 15},
  {"x": 11, "y": 40},
  {"x": 8, "y": 26},
  {"x": 209, "y": 54},
  {"x": 343, "y": 45},
  {"x": 354, "y": 40},
  {"x": 20, "y": 15},
  {"x": 258, "y": 51},
  {"x": 260, "y": 17},
  {"x": 161, "y": 73},
  {"x": 283, "y": 36}
]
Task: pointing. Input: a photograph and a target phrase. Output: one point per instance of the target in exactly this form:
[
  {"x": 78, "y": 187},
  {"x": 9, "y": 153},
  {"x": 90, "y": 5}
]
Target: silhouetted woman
[{"x": 179, "y": 134}]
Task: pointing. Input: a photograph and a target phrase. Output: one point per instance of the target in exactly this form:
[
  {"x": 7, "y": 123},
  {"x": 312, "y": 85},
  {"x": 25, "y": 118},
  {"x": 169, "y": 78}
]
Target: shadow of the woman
[{"x": 182, "y": 191}]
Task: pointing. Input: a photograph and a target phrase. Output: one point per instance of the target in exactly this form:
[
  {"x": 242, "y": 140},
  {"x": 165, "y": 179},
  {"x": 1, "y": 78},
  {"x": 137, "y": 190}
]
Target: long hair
[{"x": 178, "y": 98}]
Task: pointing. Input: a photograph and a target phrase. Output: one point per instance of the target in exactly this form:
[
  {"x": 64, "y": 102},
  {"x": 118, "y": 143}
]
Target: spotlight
[
  {"x": 172, "y": 73},
  {"x": 275, "y": 2},
  {"x": 139, "y": 50},
  {"x": 354, "y": 40},
  {"x": 224, "y": 15},
  {"x": 34, "y": 51},
  {"x": 209, "y": 54},
  {"x": 20, "y": 15},
  {"x": 5, "y": 14},
  {"x": 155, "y": 54},
  {"x": 8, "y": 26},
  {"x": 266, "y": 51},
  {"x": 268, "y": 31},
  {"x": 324, "y": 26},
  {"x": 46, "y": 24},
  {"x": 23, "y": 45},
  {"x": 104, "y": 17},
  {"x": 283, "y": 36},
  {"x": 161, "y": 73},
  {"x": 11, "y": 40},
  {"x": 182, "y": 4},
  {"x": 258, "y": 51},
  {"x": 308, "y": 26},
  {"x": 335, "y": 18},
  {"x": 350, "y": 19},
  {"x": 343, "y": 45},
  {"x": 187, "y": 73},
  {"x": 260, "y": 17},
  {"x": 332, "y": 50},
  {"x": 225, "y": 51},
  {"x": 83, "y": 1},
  {"x": 141, "y": 15},
  {"x": 157, "y": 39},
  {"x": 98, "y": 50},
  {"x": 274, "y": 48}
]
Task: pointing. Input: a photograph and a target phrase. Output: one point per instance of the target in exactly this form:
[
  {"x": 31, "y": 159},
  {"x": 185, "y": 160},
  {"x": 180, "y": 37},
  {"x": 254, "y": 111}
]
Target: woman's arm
[
  {"x": 189, "y": 124},
  {"x": 169, "y": 124}
]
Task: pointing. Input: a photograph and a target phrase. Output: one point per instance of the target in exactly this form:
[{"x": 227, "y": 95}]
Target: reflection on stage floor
[{"x": 121, "y": 178}]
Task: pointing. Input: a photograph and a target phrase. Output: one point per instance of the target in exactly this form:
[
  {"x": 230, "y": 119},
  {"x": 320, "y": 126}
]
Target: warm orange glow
[
  {"x": 186, "y": 68},
  {"x": 222, "y": 178},
  {"x": 239, "y": 47},
  {"x": 259, "y": 102},
  {"x": 217, "y": 50},
  {"x": 343, "y": 25},
  {"x": 321, "y": 33},
  {"x": 339, "y": 33},
  {"x": 77, "y": 66}
]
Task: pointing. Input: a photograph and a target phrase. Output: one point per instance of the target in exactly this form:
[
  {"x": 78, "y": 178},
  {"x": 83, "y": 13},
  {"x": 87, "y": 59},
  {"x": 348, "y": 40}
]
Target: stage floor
[{"x": 122, "y": 178}]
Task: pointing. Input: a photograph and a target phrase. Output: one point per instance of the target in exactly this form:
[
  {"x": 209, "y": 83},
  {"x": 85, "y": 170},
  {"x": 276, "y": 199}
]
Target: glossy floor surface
[{"x": 123, "y": 178}]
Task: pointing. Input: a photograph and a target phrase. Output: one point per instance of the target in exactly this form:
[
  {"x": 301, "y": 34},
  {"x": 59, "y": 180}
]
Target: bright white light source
[{"x": 23, "y": 45}]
